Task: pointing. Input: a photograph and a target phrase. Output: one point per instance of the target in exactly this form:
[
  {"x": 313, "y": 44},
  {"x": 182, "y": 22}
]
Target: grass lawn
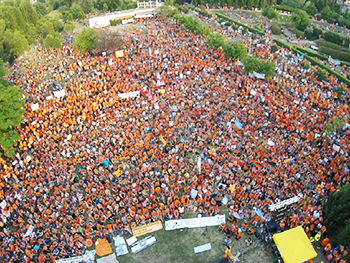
[{"x": 177, "y": 246}]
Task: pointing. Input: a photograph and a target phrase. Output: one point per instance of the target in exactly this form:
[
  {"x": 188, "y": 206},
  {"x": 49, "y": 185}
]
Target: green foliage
[
  {"x": 344, "y": 238},
  {"x": 11, "y": 112},
  {"x": 269, "y": 12},
  {"x": 298, "y": 33},
  {"x": 311, "y": 53},
  {"x": 53, "y": 40},
  {"x": 235, "y": 50},
  {"x": 167, "y": 11},
  {"x": 15, "y": 43},
  {"x": 321, "y": 74},
  {"x": 169, "y": 2},
  {"x": 274, "y": 48},
  {"x": 86, "y": 40},
  {"x": 69, "y": 27},
  {"x": 251, "y": 29},
  {"x": 216, "y": 40},
  {"x": 301, "y": 19},
  {"x": 183, "y": 9},
  {"x": 252, "y": 63},
  {"x": 337, "y": 38},
  {"x": 336, "y": 125},
  {"x": 44, "y": 28},
  {"x": 334, "y": 53},
  {"x": 312, "y": 32},
  {"x": 41, "y": 9},
  {"x": 305, "y": 64},
  {"x": 343, "y": 22},
  {"x": 115, "y": 22},
  {"x": 276, "y": 29},
  {"x": 327, "y": 13},
  {"x": 337, "y": 214},
  {"x": 293, "y": 3},
  {"x": 310, "y": 8},
  {"x": 284, "y": 8}
]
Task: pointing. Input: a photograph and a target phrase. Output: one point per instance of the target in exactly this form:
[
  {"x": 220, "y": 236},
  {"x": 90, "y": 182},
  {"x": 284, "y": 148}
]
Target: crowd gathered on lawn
[{"x": 200, "y": 134}]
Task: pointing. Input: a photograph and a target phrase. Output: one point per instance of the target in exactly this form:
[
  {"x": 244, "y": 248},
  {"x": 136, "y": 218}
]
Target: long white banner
[{"x": 195, "y": 222}]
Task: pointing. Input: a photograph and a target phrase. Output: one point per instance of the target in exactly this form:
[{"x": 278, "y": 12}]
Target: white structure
[
  {"x": 279, "y": 205},
  {"x": 84, "y": 258},
  {"x": 104, "y": 20},
  {"x": 148, "y": 4}
]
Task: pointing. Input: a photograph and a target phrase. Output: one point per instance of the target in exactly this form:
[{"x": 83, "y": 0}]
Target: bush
[
  {"x": 284, "y": 8},
  {"x": 321, "y": 74},
  {"x": 305, "y": 64},
  {"x": 69, "y": 27},
  {"x": 274, "y": 48},
  {"x": 298, "y": 33},
  {"x": 337, "y": 38},
  {"x": 235, "y": 50},
  {"x": 252, "y": 63},
  {"x": 115, "y": 22},
  {"x": 276, "y": 29},
  {"x": 336, "y": 54},
  {"x": 324, "y": 43},
  {"x": 344, "y": 22},
  {"x": 53, "y": 40},
  {"x": 269, "y": 12},
  {"x": 312, "y": 32},
  {"x": 301, "y": 19}
]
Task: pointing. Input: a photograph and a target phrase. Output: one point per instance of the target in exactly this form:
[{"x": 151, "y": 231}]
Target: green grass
[{"x": 178, "y": 247}]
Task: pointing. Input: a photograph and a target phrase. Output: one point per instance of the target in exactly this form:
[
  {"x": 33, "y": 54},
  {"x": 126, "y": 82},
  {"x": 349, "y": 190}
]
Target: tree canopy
[
  {"x": 86, "y": 40},
  {"x": 337, "y": 215},
  {"x": 11, "y": 112}
]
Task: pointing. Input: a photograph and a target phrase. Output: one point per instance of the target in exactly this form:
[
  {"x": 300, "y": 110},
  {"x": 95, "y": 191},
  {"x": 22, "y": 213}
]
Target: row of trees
[
  {"x": 22, "y": 24},
  {"x": 11, "y": 111},
  {"x": 215, "y": 40}
]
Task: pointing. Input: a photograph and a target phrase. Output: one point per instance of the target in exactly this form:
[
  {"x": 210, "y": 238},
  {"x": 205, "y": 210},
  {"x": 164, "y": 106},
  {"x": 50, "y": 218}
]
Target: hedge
[
  {"x": 337, "y": 54},
  {"x": 311, "y": 53},
  {"x": 284, "y": 8},
  {"x": 239, "y": 23},
  {"x": 337, "y": 38},
  {"x": 316, "y": 62},
  {"x": 325, "y": 43},
  {"x": 281, "y": 43}
]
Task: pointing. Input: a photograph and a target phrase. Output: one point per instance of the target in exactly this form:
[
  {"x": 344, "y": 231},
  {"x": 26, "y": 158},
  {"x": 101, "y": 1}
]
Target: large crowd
[{"x": 200, "y": 134}]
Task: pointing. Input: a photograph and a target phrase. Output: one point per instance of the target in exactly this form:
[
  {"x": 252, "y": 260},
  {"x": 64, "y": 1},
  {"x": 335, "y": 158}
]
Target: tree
[
  {"x": 276, "y": 29},
  {"x": 216, "y": 40},
  {"x": 86, "y": 40},
  {"x": 294, "y": 3},
  {"x": 169, "y": 2},
  {"x": 234, "y": 50},
  {"x": 321, "y": 74},
  {"x": 53, "y": 40},
  {"x": 69, "y": 27},
  {"x": 310, "y": 8},
  {"x": 301, "y": 19},
  {"x": 11, "y": 112},
  {"x": 269, "y": 12},
  {"x": 252, "y": 63},
  {"x": 337, "y": 215},
  {"x": 44, "y": 28},
  {"x": 327, "y": 13}
]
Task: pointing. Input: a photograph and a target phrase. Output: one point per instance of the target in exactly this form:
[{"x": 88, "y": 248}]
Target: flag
[
  {"x": 238, "y": 124},
  {"x": 119, "y": 53}
]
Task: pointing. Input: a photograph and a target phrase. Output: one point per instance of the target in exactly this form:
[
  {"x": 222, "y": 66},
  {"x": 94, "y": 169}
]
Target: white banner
[
  {"x": 142, "y": 244},
  {"x": 195, "y": 222},
  {"x": 120, "y": 246},
  {"x": 129, "y": 95},
  {"x": 35, "y": 106},
  {"x": 60, "y": 93}
]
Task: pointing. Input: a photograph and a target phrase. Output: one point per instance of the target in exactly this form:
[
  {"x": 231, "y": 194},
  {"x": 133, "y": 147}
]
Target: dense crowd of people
[{"x": 201, "y": 133}]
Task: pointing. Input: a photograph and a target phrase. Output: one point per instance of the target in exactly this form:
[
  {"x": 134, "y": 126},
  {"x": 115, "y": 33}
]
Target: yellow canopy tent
[{"x": 294, "y": 245}]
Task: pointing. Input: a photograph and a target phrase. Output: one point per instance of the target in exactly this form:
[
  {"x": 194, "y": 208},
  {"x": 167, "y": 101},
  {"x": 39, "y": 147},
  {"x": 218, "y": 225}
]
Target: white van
[{"x": 313, "y": 47}]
